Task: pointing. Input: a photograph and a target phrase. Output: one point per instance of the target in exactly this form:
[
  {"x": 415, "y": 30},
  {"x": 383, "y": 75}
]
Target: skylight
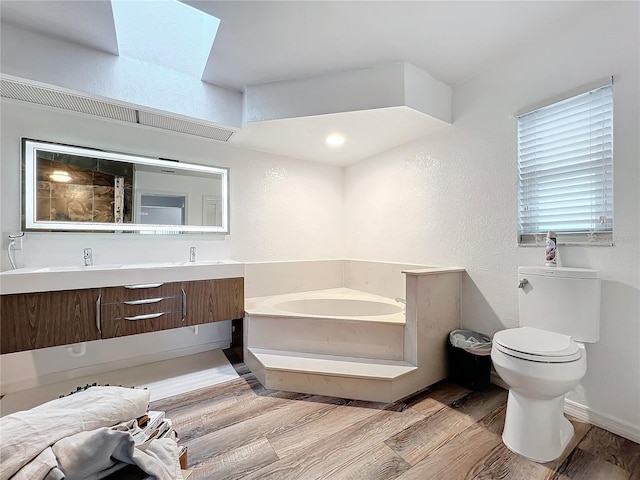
[{"x": 166, "y": 33}]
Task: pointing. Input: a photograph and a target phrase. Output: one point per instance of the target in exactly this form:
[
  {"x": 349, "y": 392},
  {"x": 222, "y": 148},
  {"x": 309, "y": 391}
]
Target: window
[{"x": 565, "y": 169}]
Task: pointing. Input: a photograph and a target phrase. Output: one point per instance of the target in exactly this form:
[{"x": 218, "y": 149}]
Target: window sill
[{"x": 600, "y": 239}]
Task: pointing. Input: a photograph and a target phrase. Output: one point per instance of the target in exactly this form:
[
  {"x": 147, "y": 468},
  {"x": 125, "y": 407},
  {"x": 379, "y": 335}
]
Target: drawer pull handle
[
  {"x": 145, "y": 285},
  {"x": 184, "y": 304},
  {"x": 144, "y": 301},
  {"x": 98, "y": 314},
  {"x": 148, "y": 316}
]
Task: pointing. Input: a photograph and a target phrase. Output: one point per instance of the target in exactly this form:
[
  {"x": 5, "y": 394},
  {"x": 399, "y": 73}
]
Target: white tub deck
[{"x": 334, "y": 303}]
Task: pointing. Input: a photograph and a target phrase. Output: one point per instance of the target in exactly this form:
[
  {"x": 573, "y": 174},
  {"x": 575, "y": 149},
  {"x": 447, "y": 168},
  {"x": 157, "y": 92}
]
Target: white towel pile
[{"x": 87, "y": 435}]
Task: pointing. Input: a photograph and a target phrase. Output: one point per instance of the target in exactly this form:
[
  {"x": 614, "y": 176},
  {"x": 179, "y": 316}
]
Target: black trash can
[{"x": 469, "y": 359}]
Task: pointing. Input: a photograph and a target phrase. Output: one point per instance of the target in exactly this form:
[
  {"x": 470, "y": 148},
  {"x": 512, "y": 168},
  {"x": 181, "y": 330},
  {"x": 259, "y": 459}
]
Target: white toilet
[{"x": 542, "y": 360}]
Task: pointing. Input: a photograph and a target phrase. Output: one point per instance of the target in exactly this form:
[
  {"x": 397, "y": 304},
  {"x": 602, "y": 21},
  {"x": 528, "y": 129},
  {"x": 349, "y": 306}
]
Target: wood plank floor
[{"x": 240, "y": 430}]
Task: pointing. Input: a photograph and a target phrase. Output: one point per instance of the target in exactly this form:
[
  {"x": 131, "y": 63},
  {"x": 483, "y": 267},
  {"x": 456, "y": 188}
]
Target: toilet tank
[{"x": 560, "y": 299}]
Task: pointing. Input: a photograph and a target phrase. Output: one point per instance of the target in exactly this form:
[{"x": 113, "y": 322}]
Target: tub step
[
  {"x": 347, "y": 377},
  {"x": 328, "y": 336},
  {"x": 331, "y": 364}
]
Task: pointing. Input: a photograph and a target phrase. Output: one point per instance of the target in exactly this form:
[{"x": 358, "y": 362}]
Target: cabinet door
[
  {"x": 37, "y": 320},
  {"x": 214, "y": 300}
]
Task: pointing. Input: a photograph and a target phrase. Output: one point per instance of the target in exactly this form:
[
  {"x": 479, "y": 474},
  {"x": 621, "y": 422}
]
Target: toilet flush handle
[{"x": 522, "y": 283}]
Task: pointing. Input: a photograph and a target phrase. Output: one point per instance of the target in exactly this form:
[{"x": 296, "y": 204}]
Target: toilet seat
[{"x": 536, "y": 345}]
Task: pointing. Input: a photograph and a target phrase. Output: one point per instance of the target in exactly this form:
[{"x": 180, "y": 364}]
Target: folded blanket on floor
[
  {"x": 27, "y": 434},
  {"x": 98, "y": 453}
]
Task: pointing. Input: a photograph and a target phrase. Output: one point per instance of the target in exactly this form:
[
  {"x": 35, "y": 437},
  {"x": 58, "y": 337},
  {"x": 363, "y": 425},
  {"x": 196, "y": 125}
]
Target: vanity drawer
[
  {"x": 140, "y": 292},
  {"x": 118, "y": 327},
  {"x": 214, "y": 300},
  {"x": 47, "y": 319},
  {"x": 132, "y": 308}
]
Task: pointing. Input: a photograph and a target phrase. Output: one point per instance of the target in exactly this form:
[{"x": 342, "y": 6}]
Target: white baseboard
[
  {"x": 55, "y": 377},
  {"x": 611, "y": 424},
  {"x": 606, "y": 422}
]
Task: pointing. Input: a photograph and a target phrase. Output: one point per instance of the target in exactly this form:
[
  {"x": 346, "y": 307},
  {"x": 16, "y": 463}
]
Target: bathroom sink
[
  {"x": 174, "y": 264},
  {"x": 34, "y": 279},
  {"x": 152, "y": 265},
  {"x": 76, "y": 268}
]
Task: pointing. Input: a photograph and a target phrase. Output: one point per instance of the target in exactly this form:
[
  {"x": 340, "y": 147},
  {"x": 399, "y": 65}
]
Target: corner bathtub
[
  {"x": 337, "y": 321},
  {"x": 335, "y": 303}
]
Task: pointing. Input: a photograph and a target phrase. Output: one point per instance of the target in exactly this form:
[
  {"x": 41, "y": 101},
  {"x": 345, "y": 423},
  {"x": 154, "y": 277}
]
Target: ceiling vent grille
[
  {"x": 78, "y": 103},
  {"x": 184, "y": 126},
  {"x": 65, "y": 101}
]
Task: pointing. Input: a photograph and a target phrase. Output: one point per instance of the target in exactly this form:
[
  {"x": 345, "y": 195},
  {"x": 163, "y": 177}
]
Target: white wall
[
  {"x": 281, "y": 209},
  {"x": 81, "y": 69},
  {"x": 450, "y": 199}
]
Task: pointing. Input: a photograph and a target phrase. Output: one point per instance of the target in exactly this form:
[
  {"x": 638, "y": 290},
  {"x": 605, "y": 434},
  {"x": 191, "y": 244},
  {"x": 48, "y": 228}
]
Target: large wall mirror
[{"x": 69, "y": 188}]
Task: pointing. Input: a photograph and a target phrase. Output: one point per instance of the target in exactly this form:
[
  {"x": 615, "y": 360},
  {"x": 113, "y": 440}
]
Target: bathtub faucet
[{"x": 401, "y": 300}]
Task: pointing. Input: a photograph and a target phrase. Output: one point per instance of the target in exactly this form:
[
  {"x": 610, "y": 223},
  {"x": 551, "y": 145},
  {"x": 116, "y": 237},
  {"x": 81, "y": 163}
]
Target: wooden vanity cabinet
[
  {"x": 213, "y": 300},
  {"x": 36, "y": 320}
]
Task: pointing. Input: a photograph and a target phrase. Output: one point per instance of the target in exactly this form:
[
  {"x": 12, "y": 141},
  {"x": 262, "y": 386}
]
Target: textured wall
[
  {"x": 450, "y": 199},
  {"x": 281, "y": 209}
]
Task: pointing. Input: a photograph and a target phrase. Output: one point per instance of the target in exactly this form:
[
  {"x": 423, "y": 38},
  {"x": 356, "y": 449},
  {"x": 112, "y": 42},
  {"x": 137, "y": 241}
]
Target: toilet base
[{"x": 536, "y": 428}]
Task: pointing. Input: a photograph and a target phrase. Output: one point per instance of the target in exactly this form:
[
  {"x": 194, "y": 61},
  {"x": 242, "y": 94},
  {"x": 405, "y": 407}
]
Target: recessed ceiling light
[
  {"x": 60, "y": 176},
  {"x": 335, "y": 140}
]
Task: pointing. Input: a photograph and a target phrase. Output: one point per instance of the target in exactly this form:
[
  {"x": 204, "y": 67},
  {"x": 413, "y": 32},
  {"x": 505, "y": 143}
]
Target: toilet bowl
[
  {"x": 535, "y": 426},
  {"x": 543, "y": 359}
]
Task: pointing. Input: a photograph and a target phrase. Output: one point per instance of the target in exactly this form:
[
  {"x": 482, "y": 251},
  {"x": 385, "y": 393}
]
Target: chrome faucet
[
  {"x": 14, "y": 245},
  {"x": 401, "y": 300},
  {"x": 192, "y": 254},
  {"x": 88, "y": 257}
]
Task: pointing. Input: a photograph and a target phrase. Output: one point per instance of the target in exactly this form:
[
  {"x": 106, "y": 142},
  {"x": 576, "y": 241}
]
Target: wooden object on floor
[
  {"x": 183, "y": 459},
  {"x": 239, "y": 430}
]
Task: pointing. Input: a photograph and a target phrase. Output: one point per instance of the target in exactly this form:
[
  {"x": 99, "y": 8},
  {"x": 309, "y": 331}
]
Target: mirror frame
[{"x": 29, "y": 185}]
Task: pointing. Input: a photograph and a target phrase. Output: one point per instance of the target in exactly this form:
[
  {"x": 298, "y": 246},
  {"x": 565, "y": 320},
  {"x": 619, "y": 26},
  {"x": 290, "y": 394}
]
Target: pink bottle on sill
[{"x": 551, "y": 250}]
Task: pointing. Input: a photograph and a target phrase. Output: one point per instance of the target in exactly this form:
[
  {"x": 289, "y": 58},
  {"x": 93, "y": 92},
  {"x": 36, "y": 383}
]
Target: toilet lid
[{"x": 538, "y": 345}]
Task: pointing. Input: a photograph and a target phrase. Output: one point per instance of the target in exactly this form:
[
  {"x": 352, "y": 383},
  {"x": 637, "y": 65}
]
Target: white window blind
[{"x": 565, "y": 167}]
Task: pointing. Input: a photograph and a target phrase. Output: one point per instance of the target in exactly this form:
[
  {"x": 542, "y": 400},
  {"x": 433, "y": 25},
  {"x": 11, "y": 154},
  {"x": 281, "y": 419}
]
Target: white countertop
[
  {"x": 25, "y": 280},
  {"x": 433, "y": 270}
]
